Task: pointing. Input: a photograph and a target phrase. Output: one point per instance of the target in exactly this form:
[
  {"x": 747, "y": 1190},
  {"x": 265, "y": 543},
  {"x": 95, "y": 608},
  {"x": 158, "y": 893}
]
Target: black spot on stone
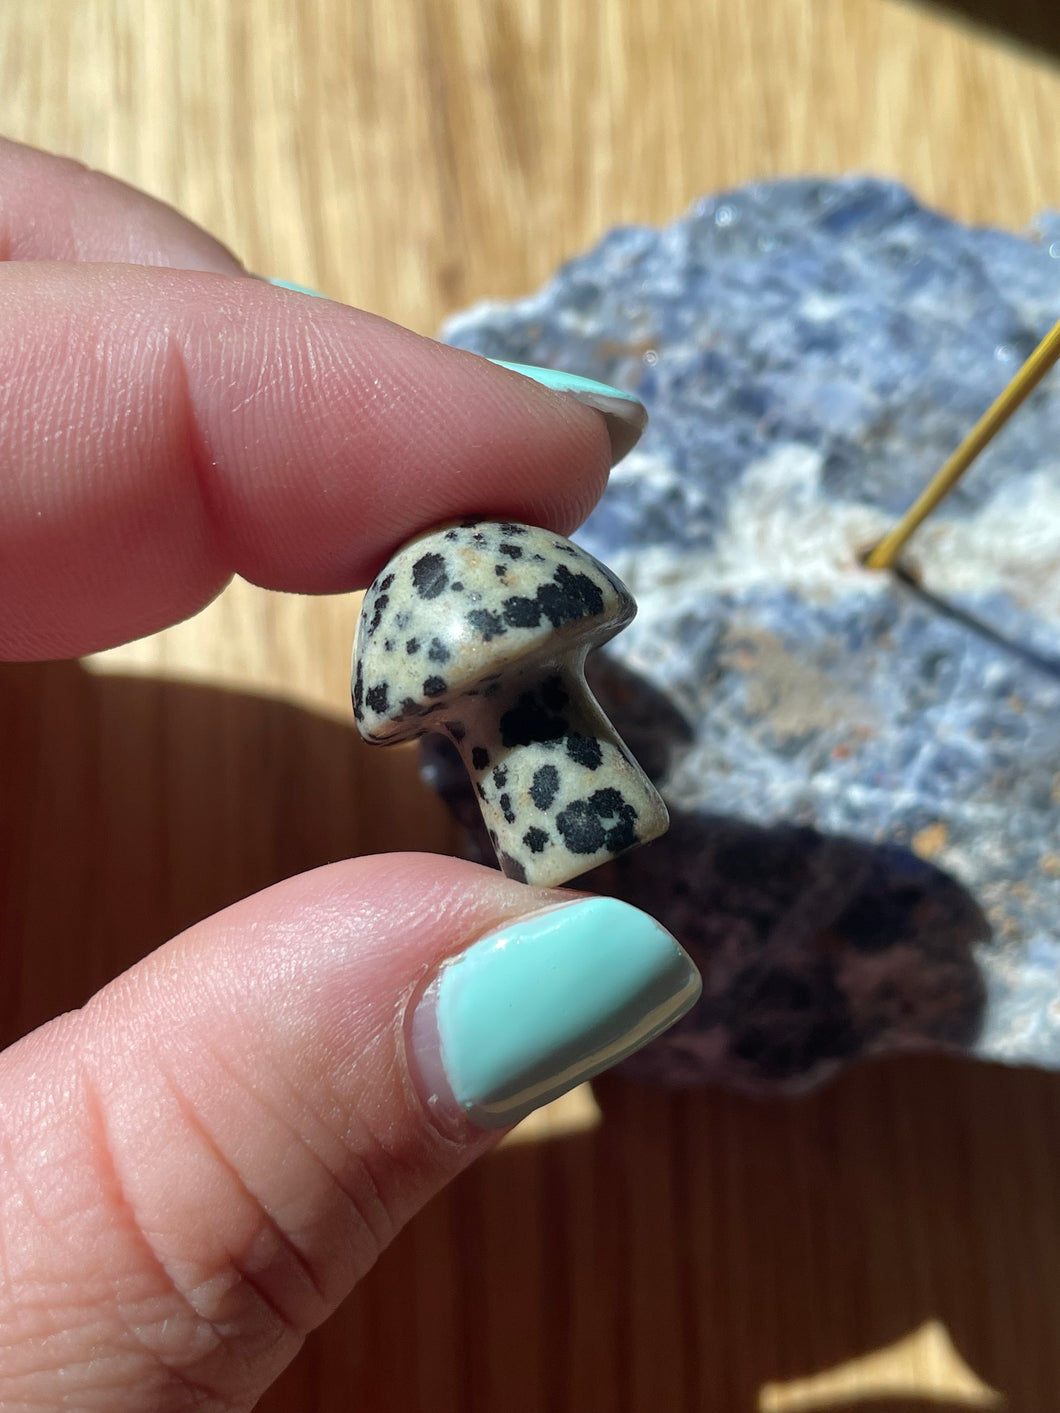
[
  {"x": 429, "y": 575},
  {"x": 402, "y": 620},
  {"x": 377, "y": 616},
  {"x": 612, "y": 804},
  {"x": 480, "y": 757},
  {"x": 521, "y": 612},
  {"x": 535, "y": 839},
  {"x": 486, "y": 623},
  {"x": 458, "y": 587},
  {"x": 438, "y": 652},
  {"x": 377, "y": 696},
  {"x": 569, "y": 597},
  {"x": 505, "y": 803},
  {"x": 511, "y": 868},
  {"x": 409, "y": 707},
  {"x": 565, "y": 598},
  {"x": 529, "y": 721},
  {"x": 433, "y": 686},
  {"x": 456, "y": 729},
  {"x": 544, "y": 785},
  {"x": 482, "y": 796},
  {"x": 510, "y": 527},
  {"x": 539, "y": 559},
  {"x": 358, "y": 692},
  {"x": 500, "y": 570},
  {"x": 388, "y": 645},
  {"x": 554, "y": 694},
  {"x": 412, "y": 646},
  {"x": 583, "y": 750},
  {"x": 500, "y": 776},
  {"x": 582, "y": 831},
  {"x": 512, "y": 551},
  {"x": 604, "y": 820},
  {"x": 387, "y": 582},
  {"x": 452, "y": 535}
]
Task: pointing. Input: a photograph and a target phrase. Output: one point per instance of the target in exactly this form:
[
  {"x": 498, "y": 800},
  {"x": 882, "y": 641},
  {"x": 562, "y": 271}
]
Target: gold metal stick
[{"x": 991, "y": 422}]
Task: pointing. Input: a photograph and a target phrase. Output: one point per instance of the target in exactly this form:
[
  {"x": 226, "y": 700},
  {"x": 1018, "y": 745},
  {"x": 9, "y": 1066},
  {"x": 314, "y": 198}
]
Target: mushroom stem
[{"x": 559, "y": 791}]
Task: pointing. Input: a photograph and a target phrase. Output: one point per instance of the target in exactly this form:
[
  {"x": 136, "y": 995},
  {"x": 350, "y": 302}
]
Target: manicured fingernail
[
  {"x": 544, "y": 1003},
  {"x": 298, "y": 289},
  {"x": 625, "y": 415}
]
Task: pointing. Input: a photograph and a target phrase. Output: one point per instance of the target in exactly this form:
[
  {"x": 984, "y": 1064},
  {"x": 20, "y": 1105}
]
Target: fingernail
[
  {"x": 544, "y": 1003},
  {"x": 298, "y": 289},
  {"x": 625, "y": 415}
]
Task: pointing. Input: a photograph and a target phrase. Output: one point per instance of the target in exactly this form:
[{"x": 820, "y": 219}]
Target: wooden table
[{"x": 891, "y": 1243}]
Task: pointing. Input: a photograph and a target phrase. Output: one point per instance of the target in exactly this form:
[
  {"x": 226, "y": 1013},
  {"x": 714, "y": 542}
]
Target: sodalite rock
[{"x": 863, "y": 772}]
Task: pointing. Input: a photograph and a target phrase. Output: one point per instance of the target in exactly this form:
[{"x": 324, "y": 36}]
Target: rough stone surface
[{"x": 863, "y": 773}]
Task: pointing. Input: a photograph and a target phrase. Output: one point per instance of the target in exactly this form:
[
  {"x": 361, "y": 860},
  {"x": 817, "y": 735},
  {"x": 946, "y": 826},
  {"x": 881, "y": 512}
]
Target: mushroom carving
[{"x": 479, "y": 630}]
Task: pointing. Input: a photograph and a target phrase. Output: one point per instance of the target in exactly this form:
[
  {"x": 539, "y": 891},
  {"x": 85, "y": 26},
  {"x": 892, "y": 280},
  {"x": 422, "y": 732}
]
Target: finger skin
[
  {"x": 200, "y": 1164},
  {"x": 161, "y": 430},
  {"x": 197, "y": 1166},
  {"x": 53, "y": 208}
]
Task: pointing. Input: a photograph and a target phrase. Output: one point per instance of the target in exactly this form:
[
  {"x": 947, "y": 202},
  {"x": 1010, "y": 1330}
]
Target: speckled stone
[
  {"x": 863, "y": 774},
  {"x": 479, "y": 631}
]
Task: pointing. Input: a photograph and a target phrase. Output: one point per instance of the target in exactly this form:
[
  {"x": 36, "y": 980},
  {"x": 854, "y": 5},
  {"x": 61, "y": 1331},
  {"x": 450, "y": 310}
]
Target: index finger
[{"x": 161, "y": 430}]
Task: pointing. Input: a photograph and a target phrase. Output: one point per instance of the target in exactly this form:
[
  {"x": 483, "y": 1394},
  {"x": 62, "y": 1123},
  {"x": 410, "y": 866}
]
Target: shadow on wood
[
  {"x": 132, "y": 807},
  {"x": 1032, "y": 23}
]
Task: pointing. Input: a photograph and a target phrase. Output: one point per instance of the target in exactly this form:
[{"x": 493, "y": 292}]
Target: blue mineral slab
[{"x": 863, "y": 770}]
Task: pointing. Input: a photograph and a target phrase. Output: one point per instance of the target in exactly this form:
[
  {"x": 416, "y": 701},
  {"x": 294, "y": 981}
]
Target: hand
[{"x": 197, "y": 1166}]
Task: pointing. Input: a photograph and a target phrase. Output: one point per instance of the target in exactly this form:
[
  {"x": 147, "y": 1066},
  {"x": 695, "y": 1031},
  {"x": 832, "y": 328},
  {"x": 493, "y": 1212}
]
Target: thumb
[{"x": 200, "y": 1164}]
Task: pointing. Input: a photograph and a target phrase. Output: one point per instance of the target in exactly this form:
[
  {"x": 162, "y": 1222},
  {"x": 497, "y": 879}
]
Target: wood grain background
[{"x": 891, "y": 1243}]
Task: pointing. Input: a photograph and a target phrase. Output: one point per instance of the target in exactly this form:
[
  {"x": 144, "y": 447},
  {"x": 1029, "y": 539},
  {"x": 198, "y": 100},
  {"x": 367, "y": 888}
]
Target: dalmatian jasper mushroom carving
[{"x": 479, "y": 630}]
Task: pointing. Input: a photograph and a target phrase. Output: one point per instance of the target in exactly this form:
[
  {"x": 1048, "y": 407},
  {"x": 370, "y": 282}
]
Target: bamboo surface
[{"x": 890, "y": 1243}]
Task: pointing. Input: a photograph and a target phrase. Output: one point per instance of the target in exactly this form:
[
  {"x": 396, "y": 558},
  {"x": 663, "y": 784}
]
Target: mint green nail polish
[
  {"x": 551, "y": 1000},
  {"x": 572, "y": 383},
  {"x": 625, "y": 414},
  {"x": 298, "y": 289}
]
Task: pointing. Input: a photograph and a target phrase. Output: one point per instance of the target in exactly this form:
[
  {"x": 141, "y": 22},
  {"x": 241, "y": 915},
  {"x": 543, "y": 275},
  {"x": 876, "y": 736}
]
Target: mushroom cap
[{"x": 465, "y": 604}]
